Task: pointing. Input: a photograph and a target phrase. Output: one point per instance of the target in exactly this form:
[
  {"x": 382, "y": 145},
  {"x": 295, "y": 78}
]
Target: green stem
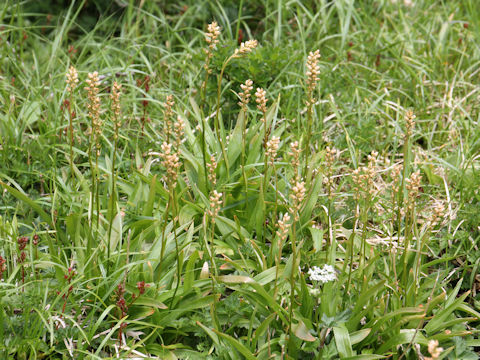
[
  {"x": 172, "y": 195},
  {"x": 112, "y": 195},
  {"x": 292, "y": 275},
  {"x": 214, "y": 275},
  {"x": 71, "y": 132},
  {"x": 407, "y": 235},
  {"x": 164, "y": 240},
  {"x": 216, "y": 124},
  {"x": 364, "y": 243},
  {"x": 92, "y": 193},
  {"x": 244, "y": 174},
  {"x": 351, "y": 245},
  {"x": 204, "y": 144},
  {"x": 307, "y": 141},
  {"x": 392, "y": 253},
  {"x": 97, "y": 193},
  {"x": 329, "y": 222},
  {"x": 265, "y": 177}
]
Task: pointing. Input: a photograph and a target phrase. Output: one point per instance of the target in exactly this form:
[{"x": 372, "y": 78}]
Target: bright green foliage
[{"x": 173, "y": 239}]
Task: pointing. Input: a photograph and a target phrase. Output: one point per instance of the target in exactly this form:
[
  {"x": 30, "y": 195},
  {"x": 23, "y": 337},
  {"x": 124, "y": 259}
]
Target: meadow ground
[{"x": 239, "y": 179}]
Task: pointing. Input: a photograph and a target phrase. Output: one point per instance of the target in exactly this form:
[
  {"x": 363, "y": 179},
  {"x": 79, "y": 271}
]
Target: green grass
[{"x": 123, "y": 261}]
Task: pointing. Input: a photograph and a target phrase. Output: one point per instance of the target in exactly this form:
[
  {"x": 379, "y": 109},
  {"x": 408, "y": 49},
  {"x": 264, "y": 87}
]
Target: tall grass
[{"x": 179, "y": 219}]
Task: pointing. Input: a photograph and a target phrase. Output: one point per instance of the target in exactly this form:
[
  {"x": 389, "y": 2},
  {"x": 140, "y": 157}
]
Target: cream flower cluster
[{"x": 323, "y": 275}]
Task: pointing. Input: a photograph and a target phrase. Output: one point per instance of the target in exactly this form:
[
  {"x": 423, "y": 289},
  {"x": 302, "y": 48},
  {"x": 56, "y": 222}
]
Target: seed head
[
  {"x": 167, "y": 115},
  {"x": 245, "y": 94},
  {"x": 261, "y": 101},
  {"x": 93, "y": 106},
  {"x": 395, "y": 175},
  {"x": 179, "y": 132},
  {"x": 3, "y": 267},
  {"x": 212, "y": 166},
  {"x": 115, "y": 97},
  {"x": 283, "y": 226},
  {"x": 434, "y": 350},
  {"x": 245, "y": 48},
  {"x": 312, "y": 74},
  {"x": 364, "y": 178},
  {"x": 439, "y": 209},
  {"x": 22, "y": 242},
  {"x": 413, "y": 183},
  {"x": 215, "y": 204},
  {"x": 409, "y": 122},
  {"x": 297, "y": 196},
  {"x": 330, "y": 156},
  {"x": 72, "y": 79},
  {"x": 438, "y": 212},
  {"x": 272, "y": 148},
  {"x": 171, "y": 163},
  {"x": 413, "y": 187},
  {"x": 212, "y": 34},
  {"x": 141, "y": 287},
  {"x": 211, "y": 37}
]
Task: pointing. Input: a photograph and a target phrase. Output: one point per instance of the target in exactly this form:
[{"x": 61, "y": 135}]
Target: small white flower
[
  {"x": 314, "y": 292},
  {"x": 323, "y": 275}
]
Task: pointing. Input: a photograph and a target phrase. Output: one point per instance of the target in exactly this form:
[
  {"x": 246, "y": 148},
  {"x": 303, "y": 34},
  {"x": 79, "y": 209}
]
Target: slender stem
[
  {"x": 277, "y": 265},
  {"x": 364, "y": 240},
  {"x": 265, "y": 175},
  {"x": 392, "y": 253},
  {"x": 97, "y": 194},
  {"x": 174, "y": 207},
  {"x": 262, "y": 236},
  {"x": 112, "y": 195},
  {"x": 404, "y": 170},
  {"x": 202, "y": 106},
  {"x": 72, "y": 114},
  {"x": 407, "y": 235},
  {"x": 329, "y": 222},
  {"x": 164, "y": 240},
  {"x": 292, "y": 274},
  {"x": 92, "y": 171},
  {"x": 275, "y": 209},
  {"x": 307, "y": 141},
  {"x": 214, "y": 275},
  {"x": 244, "y": 135},
  {"x": 216, "y": 124},
  {"x": 351, "y": 246}
]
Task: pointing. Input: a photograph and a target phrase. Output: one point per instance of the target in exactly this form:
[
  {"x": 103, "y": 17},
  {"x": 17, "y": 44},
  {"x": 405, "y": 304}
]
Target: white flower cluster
[{"x": 324, "y": 274}]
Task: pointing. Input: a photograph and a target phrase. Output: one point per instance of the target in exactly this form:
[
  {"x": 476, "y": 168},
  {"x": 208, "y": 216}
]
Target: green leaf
[
  {"x": 262, "y": 329},
  {"x": 237, "y": 345},
  {"x": 359, "y": 335},
  {"x": 22, "y": 197},
  {"x": 148, "y": 209},
  {"x": 116, "y": 234},
  {"x": 142, "y": 300},
  {"x": 235, "y": 142},
  {"x": 439, "y": 319},
  {"x": 189, "y": 276},
  {"x": 301, "y": 331},
  {"x": 235, "y": 279},
  {"x": 342, "y": 340},
  {"x": 210, "y": 333},
  {"x": 405, "y": 336}
]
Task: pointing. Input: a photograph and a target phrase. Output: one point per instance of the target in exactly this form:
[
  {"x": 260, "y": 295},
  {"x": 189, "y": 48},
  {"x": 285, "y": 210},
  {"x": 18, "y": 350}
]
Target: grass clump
[{"x": 294, "y": 183}]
